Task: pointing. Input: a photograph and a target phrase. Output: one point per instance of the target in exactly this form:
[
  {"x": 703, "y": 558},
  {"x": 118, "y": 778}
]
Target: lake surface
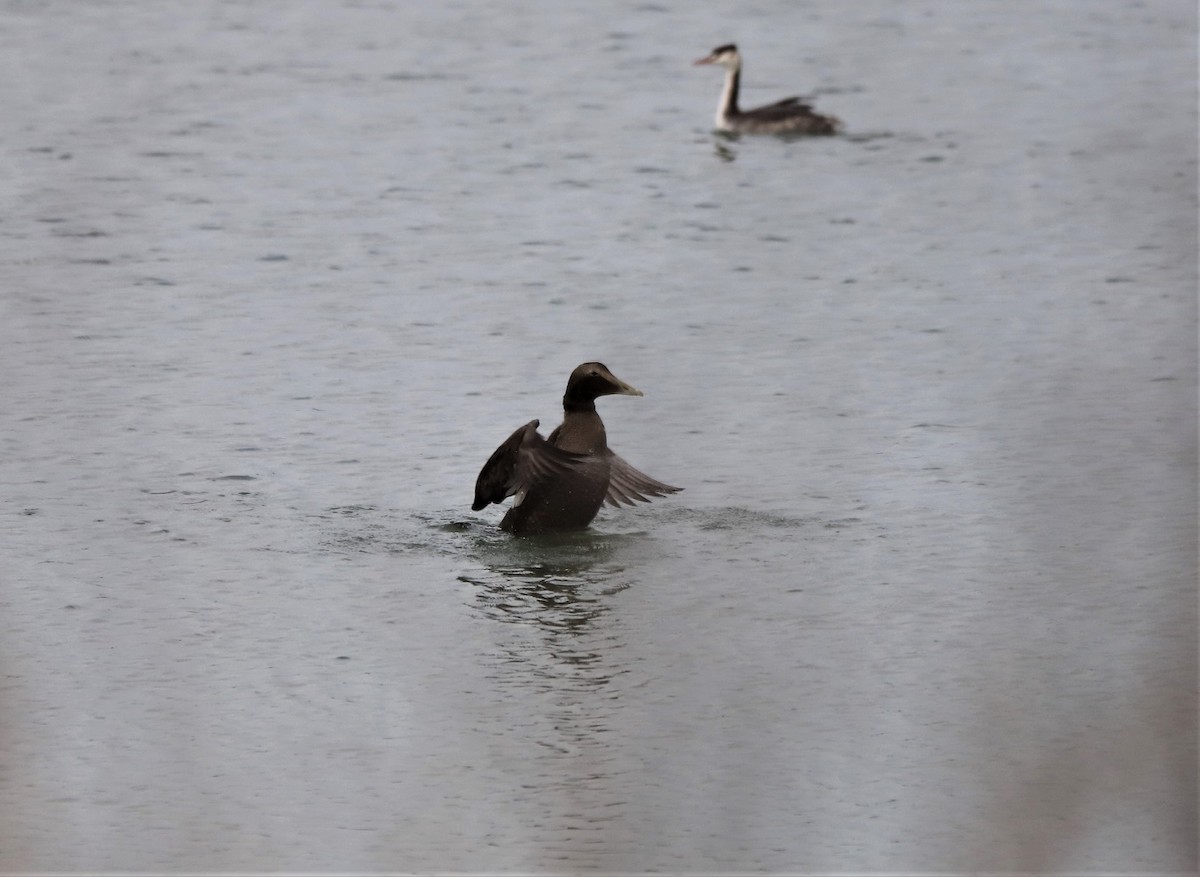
[{"x": 279, "y": 276}]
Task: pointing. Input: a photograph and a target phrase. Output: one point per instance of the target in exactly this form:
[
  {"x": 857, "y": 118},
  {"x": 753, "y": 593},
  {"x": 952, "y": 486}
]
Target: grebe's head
[{"x": 723, "y": 56}]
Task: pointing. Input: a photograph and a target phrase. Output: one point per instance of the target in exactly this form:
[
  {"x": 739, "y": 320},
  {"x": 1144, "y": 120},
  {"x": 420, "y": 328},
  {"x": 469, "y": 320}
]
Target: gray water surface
[{"x": 279, "y": 276}]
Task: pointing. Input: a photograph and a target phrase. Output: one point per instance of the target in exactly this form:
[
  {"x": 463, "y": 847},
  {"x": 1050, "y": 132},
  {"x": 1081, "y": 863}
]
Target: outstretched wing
[
  {"x": 626, "y": 484},
  {"x": 521, "y": 460}
]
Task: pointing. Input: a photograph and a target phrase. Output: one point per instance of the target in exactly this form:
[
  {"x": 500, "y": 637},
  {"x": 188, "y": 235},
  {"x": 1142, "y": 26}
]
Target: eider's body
[
  {"x": 559, "y": 483},
  {"x": 790, "y": 116}
]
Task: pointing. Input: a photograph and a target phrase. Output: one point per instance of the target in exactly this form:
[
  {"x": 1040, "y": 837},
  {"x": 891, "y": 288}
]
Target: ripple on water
[{"x": 361, "y": 528}]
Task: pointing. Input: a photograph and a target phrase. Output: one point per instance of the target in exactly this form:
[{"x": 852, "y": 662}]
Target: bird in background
[{"x": 792, "y": 115}]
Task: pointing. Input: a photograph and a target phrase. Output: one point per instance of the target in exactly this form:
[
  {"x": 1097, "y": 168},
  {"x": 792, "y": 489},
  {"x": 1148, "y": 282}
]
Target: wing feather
[
  {"x": 521, "y": 460},
  {"x": 786, "y": 102},
  {"x": 795, "y": 112},
  {"x": 626, "y": 484}
]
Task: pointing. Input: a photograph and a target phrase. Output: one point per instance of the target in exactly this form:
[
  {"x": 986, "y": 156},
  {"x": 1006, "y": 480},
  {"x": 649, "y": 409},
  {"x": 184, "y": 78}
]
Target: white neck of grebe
[{"x": 728, "y": 106}]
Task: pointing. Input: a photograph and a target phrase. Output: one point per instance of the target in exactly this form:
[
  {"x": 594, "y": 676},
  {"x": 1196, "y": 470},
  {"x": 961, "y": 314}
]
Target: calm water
[{"x": 280, "y": 276}]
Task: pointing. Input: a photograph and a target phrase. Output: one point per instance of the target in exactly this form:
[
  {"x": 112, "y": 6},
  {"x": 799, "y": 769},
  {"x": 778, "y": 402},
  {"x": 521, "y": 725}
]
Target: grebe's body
[
  {"x": 559, "y": 483},
  {"x": 788, "y": 116}
]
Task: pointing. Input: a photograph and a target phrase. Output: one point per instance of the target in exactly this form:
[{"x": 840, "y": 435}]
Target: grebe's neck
[{"x": 729, "y": 95}]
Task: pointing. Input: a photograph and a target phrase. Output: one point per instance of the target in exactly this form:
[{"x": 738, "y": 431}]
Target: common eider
[
  {"x": 788, "y": 116},
  {"x": 559, "y": 483}
]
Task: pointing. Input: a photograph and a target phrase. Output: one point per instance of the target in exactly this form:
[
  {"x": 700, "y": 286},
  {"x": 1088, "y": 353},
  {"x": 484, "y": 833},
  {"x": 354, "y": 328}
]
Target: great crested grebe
[
  {"x": 788, "y": 116},
  {"x": 560, "y": 482}
]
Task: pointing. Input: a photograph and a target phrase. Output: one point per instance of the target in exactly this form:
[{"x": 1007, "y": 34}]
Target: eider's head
[
  {"x": 593, "y": 379},
  {"x": 723, "y": 56}
]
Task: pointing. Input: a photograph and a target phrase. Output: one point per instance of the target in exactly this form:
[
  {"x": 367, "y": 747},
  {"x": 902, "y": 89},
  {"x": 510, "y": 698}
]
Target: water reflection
[
  {"x": 554, "y": 646},
  {"x": 556, "y": 589},
  {"x": 553, "y": 639},
  {"x": 556, "y": 592},
  {"x": 550, "y": 580},
  {"x": 724, "y": 141}
]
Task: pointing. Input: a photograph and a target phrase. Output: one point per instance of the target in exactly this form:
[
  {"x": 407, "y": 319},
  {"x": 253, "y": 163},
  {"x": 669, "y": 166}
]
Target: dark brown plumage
[{"x": 559, "y": 483}]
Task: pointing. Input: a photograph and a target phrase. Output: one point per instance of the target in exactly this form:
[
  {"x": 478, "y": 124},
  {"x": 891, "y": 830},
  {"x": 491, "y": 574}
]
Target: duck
[
  {"x": 792, "y": 115},
  {"x": 559, "y": 483}
]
